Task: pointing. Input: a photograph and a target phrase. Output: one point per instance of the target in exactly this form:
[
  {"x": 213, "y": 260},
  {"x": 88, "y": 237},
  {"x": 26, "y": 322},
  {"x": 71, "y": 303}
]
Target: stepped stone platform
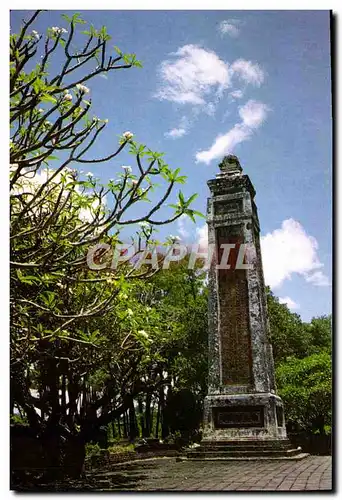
[{"x": 245, "y": 450}]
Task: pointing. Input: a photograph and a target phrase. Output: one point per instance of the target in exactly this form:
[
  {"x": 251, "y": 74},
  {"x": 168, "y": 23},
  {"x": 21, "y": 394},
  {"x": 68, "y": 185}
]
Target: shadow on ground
[{"x": 120, "y": 477}]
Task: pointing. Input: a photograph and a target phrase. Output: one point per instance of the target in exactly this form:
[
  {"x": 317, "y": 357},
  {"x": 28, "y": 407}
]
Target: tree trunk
[
  {"x": 148, "y": 415},
  {"x": 124, "y": 424},
  {"x": 141, "y": 416},
  {"x": 158, "y": 418},
  {"x": 63, "y": 396},
  {"x": 165, "y": 426},
  {"x": 161, "y": 405},
  {"x": 132, "y": 423}
]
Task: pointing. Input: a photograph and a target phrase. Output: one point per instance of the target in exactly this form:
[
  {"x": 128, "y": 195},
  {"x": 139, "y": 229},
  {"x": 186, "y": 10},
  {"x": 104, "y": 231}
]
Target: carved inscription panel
[
  {"x": 234, "y": 312},
  {"x": 238, "y": 416},
  {"x": 224, "y": 207}
]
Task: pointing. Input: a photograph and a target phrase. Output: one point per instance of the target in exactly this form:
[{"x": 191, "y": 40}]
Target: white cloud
[
  {"x": 192, "y": 76},
  {"x": 318, "y": 279},
  {"x": 182, "y": 223},
  {"x": 176, "y": 133},
  {"x": 236, "y": 94},
  {"x": 229, "y": 27},
  {"x": 223, "y": 143},
  {"x": 179, "y": 131},
  {"x": 252, "y": 114},
  {"x": 247, "y": 71},
  {"x": 291, "y": 304},
  {"x": 287, "y": 251},
  {"x": 202, "y": 237}
]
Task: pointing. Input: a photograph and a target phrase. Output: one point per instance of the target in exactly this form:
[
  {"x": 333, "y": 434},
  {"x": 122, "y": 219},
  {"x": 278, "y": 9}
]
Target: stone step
[
  {"x": 297, "y": 456},
  {"x": 242, "y": 453},
  {"x": 246, "y": 444}
]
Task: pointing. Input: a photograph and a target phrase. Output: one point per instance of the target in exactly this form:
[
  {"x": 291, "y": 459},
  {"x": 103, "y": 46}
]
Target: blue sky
[{"x": 252, "y": 83}]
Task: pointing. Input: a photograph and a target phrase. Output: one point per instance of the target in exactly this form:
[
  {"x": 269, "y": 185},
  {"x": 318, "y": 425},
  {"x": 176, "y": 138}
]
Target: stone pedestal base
[
  {"x": 244, "y": 427},
  {"x": 243, "y": 417}
]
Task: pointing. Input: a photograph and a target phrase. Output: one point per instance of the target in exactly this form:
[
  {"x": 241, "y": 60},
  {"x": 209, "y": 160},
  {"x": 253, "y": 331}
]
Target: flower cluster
[
  {"x": 127, "y": 135},
  {"x": 57, "y": 31},
  {"x": 127, "y": 169},
  {"x": 67, "y": 97},
  {"x": 82, "y": 88},
  {"x": 144, "y": 224},
  {"x": 35, "y": 34}
]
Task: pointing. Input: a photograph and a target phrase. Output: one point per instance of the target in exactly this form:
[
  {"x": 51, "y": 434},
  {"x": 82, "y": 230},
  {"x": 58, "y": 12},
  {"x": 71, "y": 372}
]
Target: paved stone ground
[{"x": 311, "y": 473}]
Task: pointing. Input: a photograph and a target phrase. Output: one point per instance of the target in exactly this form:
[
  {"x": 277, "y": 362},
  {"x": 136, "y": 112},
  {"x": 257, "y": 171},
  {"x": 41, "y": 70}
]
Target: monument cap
[{"x": 230, "y": 165}]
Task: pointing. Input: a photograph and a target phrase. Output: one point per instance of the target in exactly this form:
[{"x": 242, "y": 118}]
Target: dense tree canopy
[{"x": 77, "y": 334}]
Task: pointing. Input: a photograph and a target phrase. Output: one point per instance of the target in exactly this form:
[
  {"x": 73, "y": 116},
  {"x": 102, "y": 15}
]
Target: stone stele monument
[{"x": 243, "y": 416}]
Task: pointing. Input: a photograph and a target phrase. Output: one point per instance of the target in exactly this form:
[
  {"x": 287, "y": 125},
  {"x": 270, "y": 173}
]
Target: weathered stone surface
[{"x": 241, "y": 402}]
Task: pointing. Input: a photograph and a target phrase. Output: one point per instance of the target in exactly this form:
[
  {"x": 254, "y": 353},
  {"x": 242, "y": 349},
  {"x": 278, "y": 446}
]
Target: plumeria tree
[{"x": 57, "y": 216}]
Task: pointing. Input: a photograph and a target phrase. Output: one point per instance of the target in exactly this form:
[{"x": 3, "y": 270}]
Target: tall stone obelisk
[{"x": 241, "y": 404}]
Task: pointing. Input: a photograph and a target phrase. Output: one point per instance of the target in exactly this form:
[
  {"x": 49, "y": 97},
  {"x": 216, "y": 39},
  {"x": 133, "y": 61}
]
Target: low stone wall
[{"x": 107, "y": 459}]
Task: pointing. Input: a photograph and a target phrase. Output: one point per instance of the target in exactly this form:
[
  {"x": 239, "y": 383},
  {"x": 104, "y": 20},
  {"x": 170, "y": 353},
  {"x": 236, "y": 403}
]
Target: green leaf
[
  {"x": 199, "y": 214},
  {"x": 191, "y": 199},
  {"x": 48, "y": 98},
  {"x": 190, "y": 214},
  {"x": 27, "y": 279},
  {"x": 181, "y": 180},
  {"x": 181, "y": 198},
  {"x": 67, "y": 18}
]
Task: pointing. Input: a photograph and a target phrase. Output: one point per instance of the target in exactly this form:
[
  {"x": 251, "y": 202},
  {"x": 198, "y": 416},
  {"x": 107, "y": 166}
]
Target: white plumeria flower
[
  {"x": 56, "y": 30},
  {"x": 134, "y": 182},
  {"x": 127, "y": 135},
  {"x": 67, "y": 97},
  {"x": 143, "y": 224},
  {"x": 35, "y": 34},
  {"x": 127, "y": 169},
  {"x": 40, "y": 110},
  {"x": 90, "y": 174},
  {"x": 82, "y": 88}
]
